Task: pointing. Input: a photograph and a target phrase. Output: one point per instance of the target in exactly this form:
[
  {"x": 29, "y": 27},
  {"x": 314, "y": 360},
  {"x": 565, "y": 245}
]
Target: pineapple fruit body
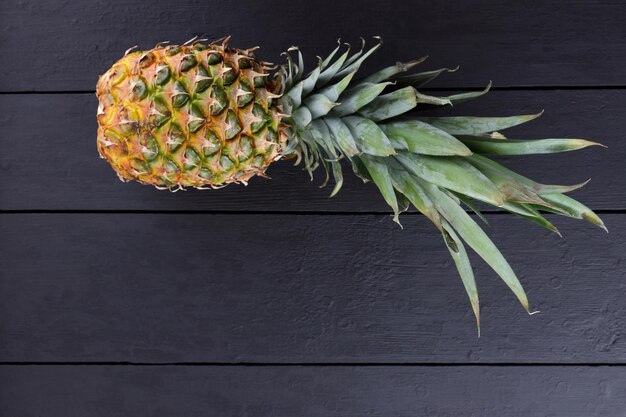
[{"x": 188, "y": 116}]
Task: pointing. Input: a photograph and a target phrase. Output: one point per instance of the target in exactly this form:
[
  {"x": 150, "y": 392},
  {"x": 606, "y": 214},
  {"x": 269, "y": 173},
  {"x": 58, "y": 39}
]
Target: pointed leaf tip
[{"x": 594, "y": 219}]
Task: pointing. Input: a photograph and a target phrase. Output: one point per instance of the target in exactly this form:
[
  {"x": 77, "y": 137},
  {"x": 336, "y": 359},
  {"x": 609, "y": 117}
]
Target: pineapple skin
[{"x": 189, "y": 116}]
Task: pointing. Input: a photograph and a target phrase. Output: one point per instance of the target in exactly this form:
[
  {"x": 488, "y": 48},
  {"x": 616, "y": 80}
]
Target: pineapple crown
[{"x": 432, "y": 163}]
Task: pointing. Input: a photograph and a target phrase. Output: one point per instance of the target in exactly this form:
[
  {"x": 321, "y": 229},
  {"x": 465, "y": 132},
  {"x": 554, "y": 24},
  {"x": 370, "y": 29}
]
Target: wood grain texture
[
  {"x": 64, "y": 45},
  {"x": 94, "y": 391},
  {"x": 53, "y": 164},
  {"x": 300, "y": 289}
]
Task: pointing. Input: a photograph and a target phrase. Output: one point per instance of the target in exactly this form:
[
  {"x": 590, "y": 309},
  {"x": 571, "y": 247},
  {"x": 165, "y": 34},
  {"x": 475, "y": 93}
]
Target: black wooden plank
[
  {"x": 61, "y": 45},
  {"x": 49, "y": 159},
  {"x": 298, "y": 289},
  {"x": 59, "y": 391}
]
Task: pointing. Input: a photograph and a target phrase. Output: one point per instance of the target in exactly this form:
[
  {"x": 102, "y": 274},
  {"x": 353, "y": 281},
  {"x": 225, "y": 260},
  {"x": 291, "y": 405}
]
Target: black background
[{"x": 273, "y": 300}]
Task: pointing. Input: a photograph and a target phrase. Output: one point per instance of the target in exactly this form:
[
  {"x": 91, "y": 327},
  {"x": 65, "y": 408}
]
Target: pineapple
[{"x": 206, "y": 115}]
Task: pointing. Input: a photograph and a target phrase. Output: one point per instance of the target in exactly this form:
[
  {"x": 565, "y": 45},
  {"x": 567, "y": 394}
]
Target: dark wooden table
[{"x": 273, "y": 300}]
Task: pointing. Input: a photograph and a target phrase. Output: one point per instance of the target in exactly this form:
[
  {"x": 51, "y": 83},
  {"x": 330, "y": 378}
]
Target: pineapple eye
[
  {"x": 259, "y": 82},
  {"x": 171, "y": 167},
  {"x": 258, "y": 111},
  {"x": 206, "y": 173},
  {"x": 244, "y": 63},
  {"x": 116, "y": 76},
  {"x": 172, "y": 50},
  {"x": 188, "y": 62},
  {"x": 175, "y": 138},
  {"x": 242, "y": 98},
  {"x": 214, "y": 58},
  {"x": 192, "y": 159},
  {"x": 212, "y": 144},
  {"x": 220, "y": 100},
  {"x": 246, "y": 148},
  {"x": 160, "y": 113},
  {"x": 230, "y": 76},
  {"x": 258, "y": 161},
  {"x": 203, "y": 80},
  {"x": 195, "y": 125},
  {"x": 140, "y": 166},
  {"x": 180, "y": 99},
  {"x": 233, "y": 122},
  {"x": 140, "y": 90},
  {"x": 150, "y": 148},
  {"x": 162, "y": 75},
  {"x": 226, "y": 163},
  {"x": 271, "y": 136},
  {"x": 146, "y": 60},
  {"x": 200, "y": 47}
]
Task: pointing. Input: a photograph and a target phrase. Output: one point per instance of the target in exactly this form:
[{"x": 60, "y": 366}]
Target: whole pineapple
[{"x": 205, "y": 115}]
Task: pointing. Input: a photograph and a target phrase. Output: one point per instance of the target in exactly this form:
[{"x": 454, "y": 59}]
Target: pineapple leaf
[
  {"x": 516, "y": 187},
  {"x": 416, "y": 194},
  {"x": 355, "y": 55},
  {"x": 369, "y": 137},
  {"x": 435, "y": 101},
  {"x": 353, "y": 66},
  {"x": 538, "y": 218},
  {"x": 463, "y": 265},
  {"x": 338, "y": 175},
  {"x": 360, "y": 170},
  {"x": 422, "y": 78},
  {"x": 380, "y": 176},
  {"x": 453, "y": 173},
  {"x": 406, "y": 184},
  {"x": 319, "y": 105},
  {"x": 403, "y": 202},
  {"x": 329, "y": 72},
  {"x": 295, "y": 95},
  {"x": 469, "y": 125},
  {"x": 342, "y": 136},
  {"x": 470, "y": 204},
  {"x": 308, "y": 84},
  {"x": 321, "y": 134},
  {"x": 302, "y": 116},
  {"x": 459, "y": 98},
  {"x": 392, "y": 70},
  {"x": 476, "y": 238},
  {"x": 524, "y": 147},
  {"x": 574, "y": 209},
  {"x": 333, "y": 91},
  {"x": 420, "y": 137},
  {"x": 326, "y": 62},
  {"x": 390, "y": 105},
  {"x": 355, "y": 98}
]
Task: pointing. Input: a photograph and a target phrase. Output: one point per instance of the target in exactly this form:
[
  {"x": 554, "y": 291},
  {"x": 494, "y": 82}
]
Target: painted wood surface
[
  {"x": 301, "y": 289},
  {"x": 273, "y": 300},
  {"x": 54, "y": 165},
  {"x": 163, "y": 391}
]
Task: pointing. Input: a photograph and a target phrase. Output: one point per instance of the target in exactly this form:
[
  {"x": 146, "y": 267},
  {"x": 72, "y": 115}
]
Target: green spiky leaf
[
  {"x": 453, "y": 173},
  {"x": 468, "y": 125},
  {"x": 380, "y": 176},
  {"x": 476, "y": 238},
  {"x": 355, "y": 98},
  {"x": 419, "y": 137},
  {"x": 524, "y": 147},
  {"x": 369, "y": 137}
]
